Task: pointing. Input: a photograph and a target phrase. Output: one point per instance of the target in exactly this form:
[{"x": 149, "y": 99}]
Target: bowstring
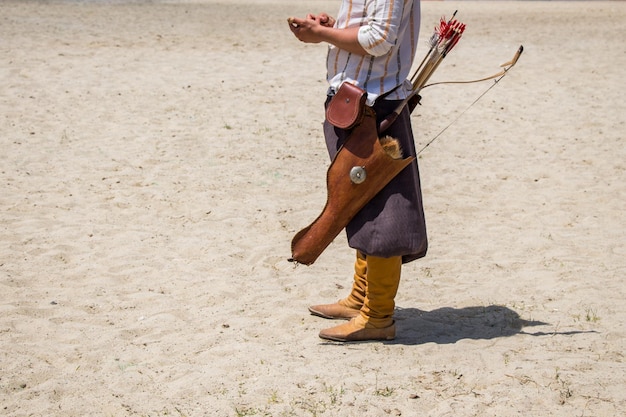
[
  {"x": 460, "y": 114},
  {"x": 508, "y": 65}
]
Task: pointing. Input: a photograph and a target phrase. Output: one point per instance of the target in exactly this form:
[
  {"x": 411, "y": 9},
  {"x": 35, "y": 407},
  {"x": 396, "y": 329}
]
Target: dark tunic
[{"x": 392, "y": 223}]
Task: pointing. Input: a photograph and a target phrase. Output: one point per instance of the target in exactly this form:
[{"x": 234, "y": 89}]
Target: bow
[
  {"x": 505, "y": 68},
  {"x": 498, "y": 76},
  {"x": 414, "y": 98}
]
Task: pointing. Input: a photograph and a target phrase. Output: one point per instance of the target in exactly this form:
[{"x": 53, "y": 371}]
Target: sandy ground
[{"x": 158, "y": 158}]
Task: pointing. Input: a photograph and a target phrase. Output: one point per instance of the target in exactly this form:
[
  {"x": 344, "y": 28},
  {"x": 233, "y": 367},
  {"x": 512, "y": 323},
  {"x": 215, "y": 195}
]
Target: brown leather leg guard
[{"x": 359, "y": 171}]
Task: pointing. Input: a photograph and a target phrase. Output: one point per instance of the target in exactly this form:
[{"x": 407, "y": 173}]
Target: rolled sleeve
[
  {"x": 380, "y": 33},
  {"x": 374, "y": 41}
]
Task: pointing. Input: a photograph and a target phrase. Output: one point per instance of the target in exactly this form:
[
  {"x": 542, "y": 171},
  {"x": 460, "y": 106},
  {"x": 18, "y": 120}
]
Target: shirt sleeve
[{"x": 380, "y": 32}]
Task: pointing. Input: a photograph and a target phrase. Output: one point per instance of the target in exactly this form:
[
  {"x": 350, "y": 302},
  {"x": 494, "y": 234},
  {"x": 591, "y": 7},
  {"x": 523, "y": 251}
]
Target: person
[{"x": 372, "y": 44}]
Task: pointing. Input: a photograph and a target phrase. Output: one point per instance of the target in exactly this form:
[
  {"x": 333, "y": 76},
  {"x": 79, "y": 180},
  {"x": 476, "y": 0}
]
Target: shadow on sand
[{"x": 449, "y": 325}]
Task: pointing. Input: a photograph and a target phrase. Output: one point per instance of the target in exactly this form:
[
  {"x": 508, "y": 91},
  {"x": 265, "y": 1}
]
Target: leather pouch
[{"x": 346, "y": 108}]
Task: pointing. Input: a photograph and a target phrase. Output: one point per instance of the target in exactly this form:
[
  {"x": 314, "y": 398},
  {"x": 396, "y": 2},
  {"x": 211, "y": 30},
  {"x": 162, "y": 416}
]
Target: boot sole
[
  {"x": 363, "y": 335},
  {"x": 349, "y": 340}
]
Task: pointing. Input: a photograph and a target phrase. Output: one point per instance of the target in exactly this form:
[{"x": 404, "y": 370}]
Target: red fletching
[{"x": 445, "y": 37}]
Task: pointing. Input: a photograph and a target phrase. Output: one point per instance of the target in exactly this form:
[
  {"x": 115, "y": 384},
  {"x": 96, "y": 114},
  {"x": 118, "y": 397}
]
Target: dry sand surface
[{"x": 157, "y": 159}]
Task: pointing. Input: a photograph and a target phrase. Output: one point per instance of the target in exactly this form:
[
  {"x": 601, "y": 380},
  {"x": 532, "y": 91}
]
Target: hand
[
  {"x": 326, "y": 20},
  {"x": 309, "y": 29},
  {"x": 321, "y": 28},
  {"x": 306, "y": 30}
]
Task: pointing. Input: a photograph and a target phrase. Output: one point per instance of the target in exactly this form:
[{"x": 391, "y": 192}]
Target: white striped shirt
[{"x": 388, "y": 31}]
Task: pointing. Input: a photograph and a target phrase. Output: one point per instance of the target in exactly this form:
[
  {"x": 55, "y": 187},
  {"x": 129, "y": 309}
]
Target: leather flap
[{"x": 346, "y": 108}]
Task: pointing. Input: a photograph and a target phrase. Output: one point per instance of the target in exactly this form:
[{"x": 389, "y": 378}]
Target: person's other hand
[{"x": 326, "y": 20}]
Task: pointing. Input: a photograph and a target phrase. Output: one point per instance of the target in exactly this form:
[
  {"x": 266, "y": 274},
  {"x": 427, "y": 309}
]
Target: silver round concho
[{"x": 358, "y": 175}]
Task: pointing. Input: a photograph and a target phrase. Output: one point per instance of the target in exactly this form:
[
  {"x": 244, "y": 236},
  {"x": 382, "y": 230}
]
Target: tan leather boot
[
  {"x": 350, "y": 306},
  {"x": 335, "y": 311},
  {"x": 375, "y": 321},
  {"x": 358, "y": 330}
]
